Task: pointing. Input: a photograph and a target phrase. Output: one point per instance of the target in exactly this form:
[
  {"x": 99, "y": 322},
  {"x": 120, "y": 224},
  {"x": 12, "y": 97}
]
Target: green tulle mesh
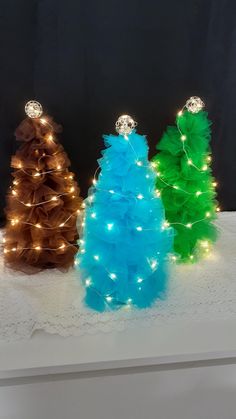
[{"x": 186, "y": 185}]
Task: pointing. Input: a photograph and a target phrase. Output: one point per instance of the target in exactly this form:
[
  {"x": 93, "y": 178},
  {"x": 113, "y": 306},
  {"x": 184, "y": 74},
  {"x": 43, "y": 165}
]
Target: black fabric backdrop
[{"x": 89, "y": 61}]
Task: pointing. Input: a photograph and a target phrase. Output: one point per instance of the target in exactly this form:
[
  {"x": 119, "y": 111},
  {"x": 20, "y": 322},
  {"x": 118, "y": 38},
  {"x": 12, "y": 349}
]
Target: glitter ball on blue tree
[{"x": 125, "y": 243}]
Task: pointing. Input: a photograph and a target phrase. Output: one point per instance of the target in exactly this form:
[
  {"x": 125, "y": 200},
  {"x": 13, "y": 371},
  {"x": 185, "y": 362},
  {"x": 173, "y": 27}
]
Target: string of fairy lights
[
  {"x": 37, "y": 173},
  {"x": 38, "y": 248},
  {"x": 154, "y": 262},
  {"x": 204, "y": 244},
  {"x": 53, "y": 198},
  {"x": 152, "y": 166},
  {"x": 15, "y": 221}
]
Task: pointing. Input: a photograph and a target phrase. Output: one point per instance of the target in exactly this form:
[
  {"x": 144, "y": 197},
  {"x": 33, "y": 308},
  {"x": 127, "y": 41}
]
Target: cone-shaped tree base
[
  {"x": 186, "y": 185},
  {"x": 123, "y": 253},
  {"x": 43, "y": 202}
]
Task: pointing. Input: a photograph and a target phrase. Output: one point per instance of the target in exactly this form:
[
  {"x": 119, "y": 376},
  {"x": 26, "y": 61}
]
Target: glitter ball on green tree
[{"x": 185, "y": 182}]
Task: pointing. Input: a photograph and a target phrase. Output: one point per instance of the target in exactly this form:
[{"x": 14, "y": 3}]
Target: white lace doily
[{"x": 52, "y": 301}]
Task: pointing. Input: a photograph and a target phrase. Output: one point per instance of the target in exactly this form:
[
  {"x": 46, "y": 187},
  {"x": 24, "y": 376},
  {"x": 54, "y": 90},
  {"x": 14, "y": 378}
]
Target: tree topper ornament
[
  {"x": 33, "y": 109},
  {"x": 194, "y": 104},
  {"x": 125, "y": 125}
]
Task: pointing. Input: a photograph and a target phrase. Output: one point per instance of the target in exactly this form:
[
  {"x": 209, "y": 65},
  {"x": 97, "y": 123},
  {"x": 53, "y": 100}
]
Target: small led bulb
[
  {"x": 190, "y": 162},
  {"x": 72, "y": 189},
  {"x": 88, "y": 282},
  {"x": 54, "y": 198},
  {"x": 139, "y": 228},
  {"x": 191, "y": 257},
  {"x": 180, "y": 113},
  {"x": 154, "y": 264},
  {"x": 183, "y": 138},
  {"x": 208, "y": 214},
  {"x": 37, "y": 248},
  {"x": 111, "y": 191},
  {"x": 109, "y": 298},
  {"x": 110, "y": 226},
  {"x": 93, "y": 215},
  {"x": 214, "y": 184},
  {"x": 61, "y": 225},
  {"x": 139, "y": 280},
  {"x": 189, "y": 225},
  {"x": 38, "y": 225},
  {"x": 204, "y": 167},
  {"x": 112, "y": 276},
  {"x": 28, "y": 204},
  {"x": 58, "y": 167},
  {"x": 96, "y": 257},
  {"x": 140, "y": 196},
  {"x": 198, "y": 193},
  {"x": 14, "y": 192},
  {"x": 139, "y": 163}
]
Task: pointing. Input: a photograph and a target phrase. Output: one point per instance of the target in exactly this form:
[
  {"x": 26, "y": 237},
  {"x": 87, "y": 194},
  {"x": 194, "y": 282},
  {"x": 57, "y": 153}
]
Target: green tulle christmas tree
[{"x": 185, "y": 183}]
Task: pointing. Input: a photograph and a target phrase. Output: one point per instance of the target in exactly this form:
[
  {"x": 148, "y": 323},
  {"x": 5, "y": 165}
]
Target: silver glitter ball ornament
[
  {"x": 125, "y": 124},
  {"x": 33, "y": 109},
  {"x": 194, "y": 104}
]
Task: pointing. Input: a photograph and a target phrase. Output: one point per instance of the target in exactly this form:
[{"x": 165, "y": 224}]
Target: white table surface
[
  {"x": 186, "y": 339},
  {"x": 175, "y": 343}
]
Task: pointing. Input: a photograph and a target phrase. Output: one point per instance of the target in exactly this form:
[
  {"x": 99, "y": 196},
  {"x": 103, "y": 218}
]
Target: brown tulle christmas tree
[{"x": 43, "y": 202}]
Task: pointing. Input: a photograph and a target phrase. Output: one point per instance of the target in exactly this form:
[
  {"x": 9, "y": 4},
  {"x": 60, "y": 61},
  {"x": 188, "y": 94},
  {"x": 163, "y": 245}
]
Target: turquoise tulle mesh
[{"x": 123, "y": 251}]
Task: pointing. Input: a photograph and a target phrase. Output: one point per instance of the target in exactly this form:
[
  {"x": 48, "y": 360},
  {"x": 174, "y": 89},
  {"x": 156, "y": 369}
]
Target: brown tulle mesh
[{"x": 44, "y": 242}]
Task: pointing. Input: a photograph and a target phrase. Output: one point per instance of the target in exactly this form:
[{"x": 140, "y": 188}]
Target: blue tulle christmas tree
[{"x": 123, "y": 251}]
